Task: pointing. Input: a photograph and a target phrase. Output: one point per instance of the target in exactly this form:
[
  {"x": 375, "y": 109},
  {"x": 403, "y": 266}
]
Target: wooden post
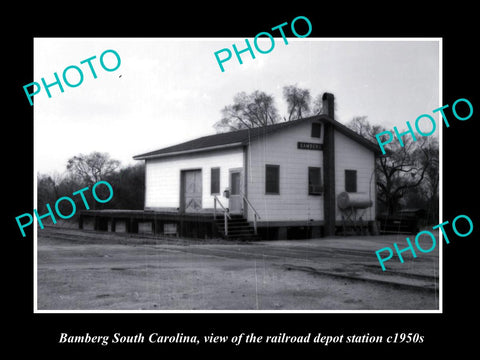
[
  {"x": 329, "y": 179},
  {"x": 215, "y": 208},
  {"x": 329, "y": 165},
  {"x": 225, "y": 222},
  {"x": 255, "y": 224}
]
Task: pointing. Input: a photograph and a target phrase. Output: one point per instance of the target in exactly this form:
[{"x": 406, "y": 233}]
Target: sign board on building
[{"x": 309, "y": 146}]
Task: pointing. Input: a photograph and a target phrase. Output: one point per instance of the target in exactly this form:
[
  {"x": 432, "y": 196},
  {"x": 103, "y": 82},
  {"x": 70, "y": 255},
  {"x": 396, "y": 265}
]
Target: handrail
[
  {"x": 216, "y": 199},
  {"x": 255, "y": 215},
  {"x": 225, "y": 213},
  {"x": 251, "y": 206}
]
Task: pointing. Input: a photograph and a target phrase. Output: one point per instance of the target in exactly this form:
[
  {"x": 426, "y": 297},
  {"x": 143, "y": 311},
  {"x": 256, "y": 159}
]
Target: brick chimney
[
  {"x": 329, "y": 166},
  {"x": 328, "y": 104}
]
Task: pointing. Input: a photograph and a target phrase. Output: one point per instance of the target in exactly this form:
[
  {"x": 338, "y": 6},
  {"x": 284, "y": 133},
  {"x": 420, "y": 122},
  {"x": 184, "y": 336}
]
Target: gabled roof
[{"x": 243, "y": 137}]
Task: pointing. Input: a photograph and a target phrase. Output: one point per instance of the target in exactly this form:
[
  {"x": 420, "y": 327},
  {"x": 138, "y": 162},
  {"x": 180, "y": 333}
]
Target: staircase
[{"x": 238, "y": 228}]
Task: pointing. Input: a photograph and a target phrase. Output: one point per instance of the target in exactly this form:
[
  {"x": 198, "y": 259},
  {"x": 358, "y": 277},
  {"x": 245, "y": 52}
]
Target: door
[
  {"x": 192, "y": 190},
  {"x": 235, "y": 200}
]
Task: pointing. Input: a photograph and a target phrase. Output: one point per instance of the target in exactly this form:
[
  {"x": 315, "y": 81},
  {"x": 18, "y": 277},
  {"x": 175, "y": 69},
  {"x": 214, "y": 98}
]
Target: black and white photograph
[
  {"x": 253, "y": 188},
  {"x": 227, "y": 179}
]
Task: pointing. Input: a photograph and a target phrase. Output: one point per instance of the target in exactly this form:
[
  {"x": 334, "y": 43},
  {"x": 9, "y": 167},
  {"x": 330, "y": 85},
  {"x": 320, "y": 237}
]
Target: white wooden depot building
[{"x": 305, "y": 177}]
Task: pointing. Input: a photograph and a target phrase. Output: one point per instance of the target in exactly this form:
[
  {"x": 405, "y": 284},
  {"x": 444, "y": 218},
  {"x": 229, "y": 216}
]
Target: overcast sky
[{"x": 171, "y": 90}]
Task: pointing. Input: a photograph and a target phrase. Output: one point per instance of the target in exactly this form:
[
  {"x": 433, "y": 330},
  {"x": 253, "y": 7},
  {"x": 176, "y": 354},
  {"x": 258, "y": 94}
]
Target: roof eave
[
  {"x": 175, "y": 153},
  {"x": 354, "y": 136}
]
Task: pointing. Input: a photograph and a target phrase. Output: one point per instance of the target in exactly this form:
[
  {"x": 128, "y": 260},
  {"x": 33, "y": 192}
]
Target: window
[
  {"x": 315, "y": 181},
  {"x": 316, "y": 130},
  {"x": 351, "y": 180},
  {"x": 272, "y": 179},
  {"x": 215, "y": 181}
]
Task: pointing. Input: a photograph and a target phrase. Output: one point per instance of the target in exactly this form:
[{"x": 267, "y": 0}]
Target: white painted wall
[
  {"x": 280, "y": 148},
  {"x": 350, "y": 155},
  {"x": 162, "y": 176}
]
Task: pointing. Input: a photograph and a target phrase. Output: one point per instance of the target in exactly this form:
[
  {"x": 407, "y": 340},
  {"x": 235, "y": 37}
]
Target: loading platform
[{"x": 169, "y": 223}]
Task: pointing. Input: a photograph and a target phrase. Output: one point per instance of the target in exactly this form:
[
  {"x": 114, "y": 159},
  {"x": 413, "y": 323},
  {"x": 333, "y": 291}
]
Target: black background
[{"x": 455, "y": 329}]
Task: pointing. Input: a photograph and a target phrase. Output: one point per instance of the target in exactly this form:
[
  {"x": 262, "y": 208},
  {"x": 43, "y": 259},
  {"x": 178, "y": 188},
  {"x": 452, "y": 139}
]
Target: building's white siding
[
  {"x": 350, "y": 155},
  {"x": 162, "y": 176},
  {"x": 280, "y": 148}
]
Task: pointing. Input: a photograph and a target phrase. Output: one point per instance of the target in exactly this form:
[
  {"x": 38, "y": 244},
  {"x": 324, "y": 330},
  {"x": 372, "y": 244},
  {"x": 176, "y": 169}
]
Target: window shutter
[
  {"x": 215, "y": 181},
  {"x": 316, "y": 130},
  {"x": 272, "y": 179},
  {"x": 315, "y": 181},
  {"x": 351, "y": 180}
]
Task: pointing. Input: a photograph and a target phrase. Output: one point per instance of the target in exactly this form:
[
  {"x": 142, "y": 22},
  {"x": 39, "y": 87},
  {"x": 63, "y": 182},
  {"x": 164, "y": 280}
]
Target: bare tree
[
  {"x": 258, "y": 109},
  {"x": 93, "y": 167},
  {"x": 48, "y": 185},
  {"x": 298, "y": 102},
  {"x": 362, "y": 126},
  {"x": 51, "y": 187},
  {"x": 401, "y": 169},
  {"x": 128, "y": 183},
  {"x": 428, "y": 153},
  {"x": 47, "y": 189},
  {"x": 248, "y": 111},
  {"x": 397, "y": 172},
  {"x": 317, "y": 108}
]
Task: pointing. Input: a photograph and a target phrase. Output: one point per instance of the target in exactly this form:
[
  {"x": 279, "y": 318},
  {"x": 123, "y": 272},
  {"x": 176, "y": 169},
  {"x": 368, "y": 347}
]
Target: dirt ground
[{"x": 80, "y": 270}]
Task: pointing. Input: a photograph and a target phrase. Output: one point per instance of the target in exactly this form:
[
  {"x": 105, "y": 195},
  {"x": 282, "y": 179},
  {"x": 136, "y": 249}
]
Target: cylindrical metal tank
[{"x": 353, "y": 200}]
